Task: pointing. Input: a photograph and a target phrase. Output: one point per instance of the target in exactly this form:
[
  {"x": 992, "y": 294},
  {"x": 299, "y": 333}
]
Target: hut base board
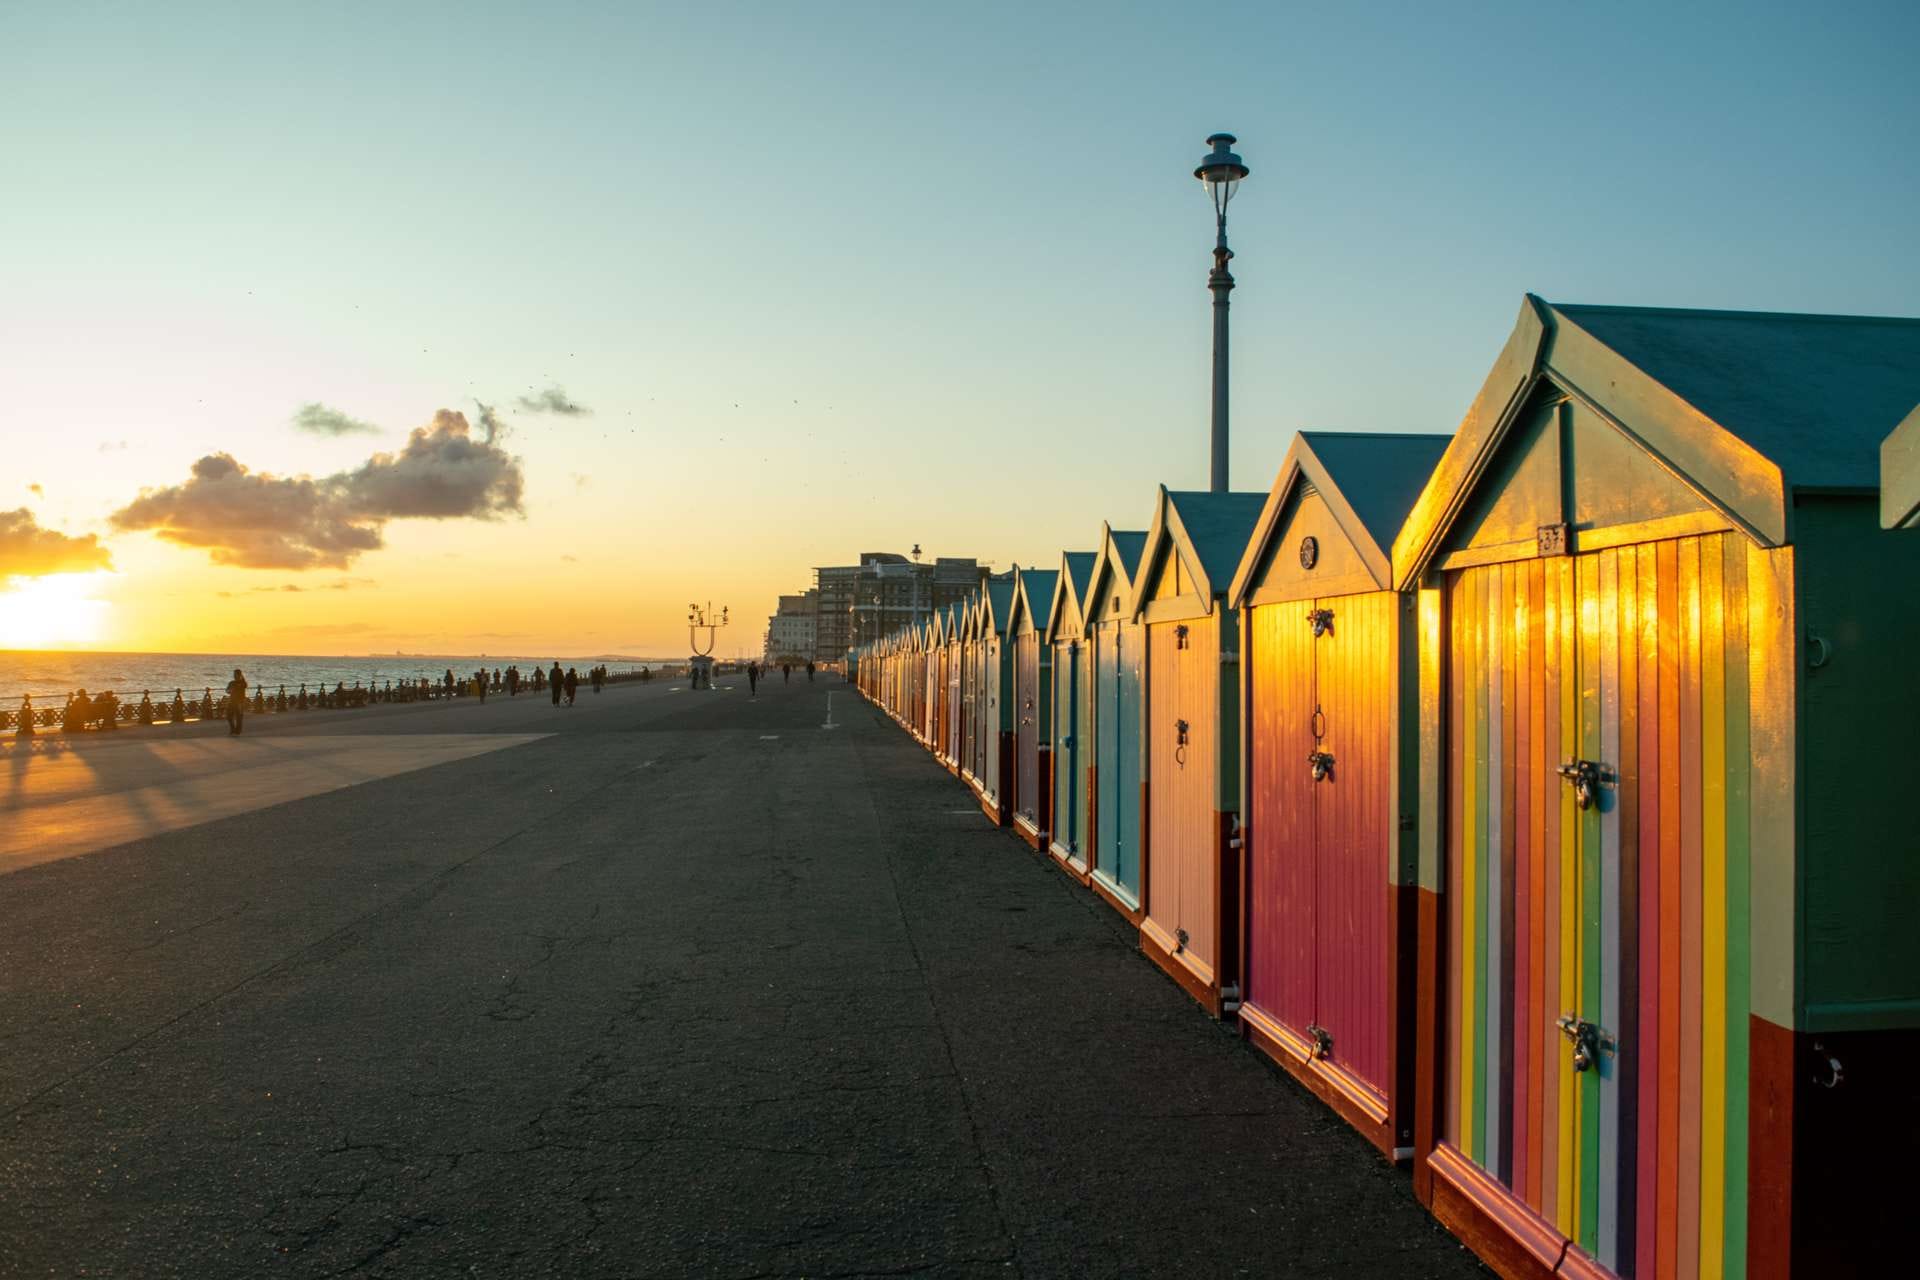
[
  {"x": 1113, "y": 899},
  {"x": 1352, "y": 1102},
  {"x": 1071, "y": 863},
  {"x": 1204, "y": 990},
  {"x": 1506, "y": 1235},
  {"x": 991, "y": 806},
  {"x": 1030, "y": 832}
]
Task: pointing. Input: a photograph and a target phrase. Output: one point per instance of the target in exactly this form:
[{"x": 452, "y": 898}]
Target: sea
[{"x": 56, "y": 674}]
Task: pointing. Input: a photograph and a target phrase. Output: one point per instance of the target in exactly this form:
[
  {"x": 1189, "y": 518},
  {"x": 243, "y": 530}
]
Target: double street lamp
[{"x": 1221, "y": 171}]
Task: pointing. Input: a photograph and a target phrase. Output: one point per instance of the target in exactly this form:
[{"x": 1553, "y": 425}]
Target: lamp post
[{"x": 1221, "y": 171}]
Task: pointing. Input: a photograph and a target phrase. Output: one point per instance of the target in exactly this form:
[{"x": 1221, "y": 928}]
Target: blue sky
[{"x": 846, "y": 277}]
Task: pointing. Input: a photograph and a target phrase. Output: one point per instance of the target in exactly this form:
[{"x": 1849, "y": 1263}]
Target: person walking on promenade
[
  {"x": 573, "y": 684},
  {"x": 448, "y": 681},
  {"x": 554, "y": 681},
  {"x": 786, "y": 673},
  {"x": 236, "y": 701},
  {"x": 513, "y": 682},
  {"x": 480, "y": 685},
  {"x": 809, "y": 672},
  {"x": 753, "y": 679},
  {"x": 597, "y": 678}
]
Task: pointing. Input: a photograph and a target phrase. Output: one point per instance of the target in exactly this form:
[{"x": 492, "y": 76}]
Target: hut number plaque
[{"x": 1309, "y": 552}]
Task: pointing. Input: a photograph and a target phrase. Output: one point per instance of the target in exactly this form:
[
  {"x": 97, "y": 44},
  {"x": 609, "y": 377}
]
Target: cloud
[
  {"x": 27, "y": 550},
  {"x": 36, "y": 491},
  {"x": 442, "y": 474},
  {"x": 489, "y": 422},
  {"x": 257, "y": 520},
  {"x": 332, "y": 629},
  {"x": 322, "y": 420},
  {"x": 113, "y": 446},
  {"x": 339, "y": 584},
  {"x": 552, "y": 400}
]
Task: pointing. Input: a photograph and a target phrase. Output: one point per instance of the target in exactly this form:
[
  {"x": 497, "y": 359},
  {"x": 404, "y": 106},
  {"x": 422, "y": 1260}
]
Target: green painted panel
[{"x": 1860, "y": 878}]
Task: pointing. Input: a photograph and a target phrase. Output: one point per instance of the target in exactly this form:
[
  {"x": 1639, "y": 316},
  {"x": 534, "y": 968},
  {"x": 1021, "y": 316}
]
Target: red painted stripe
[{"x": 1667, "y": 566}]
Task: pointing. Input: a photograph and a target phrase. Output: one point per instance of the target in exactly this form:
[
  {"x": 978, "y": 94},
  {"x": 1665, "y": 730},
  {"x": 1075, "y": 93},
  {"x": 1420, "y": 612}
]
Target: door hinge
[
  {"x": 1588, "y": 1040},
  {"x": 1322, "y": 620},
  {"x": 1322, "y": 1040}
]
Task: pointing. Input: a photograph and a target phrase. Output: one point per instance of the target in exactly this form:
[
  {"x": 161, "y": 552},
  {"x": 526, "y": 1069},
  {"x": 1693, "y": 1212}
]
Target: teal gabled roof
[
  {"x": 1815, "y": 395},
  {"x": 1369, "y": 481},
  {"x": 999, "y": 601},
  {"x": 1209, "y": 530},
  {"x": 1034, "y": 595},
  {"x": 1742, "y": 407},
  {"x": 1127, "y": 546},
  {"x": 1069, "y": 588}
]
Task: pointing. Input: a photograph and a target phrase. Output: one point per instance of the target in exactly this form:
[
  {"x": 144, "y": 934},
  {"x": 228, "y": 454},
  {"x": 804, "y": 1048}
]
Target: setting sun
[{"x": 50, "y": 612}]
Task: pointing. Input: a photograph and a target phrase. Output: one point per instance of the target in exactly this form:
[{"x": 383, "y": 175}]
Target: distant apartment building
[
  {"x": 883, "y": 593},
  {"x": 790, "y": 631}
]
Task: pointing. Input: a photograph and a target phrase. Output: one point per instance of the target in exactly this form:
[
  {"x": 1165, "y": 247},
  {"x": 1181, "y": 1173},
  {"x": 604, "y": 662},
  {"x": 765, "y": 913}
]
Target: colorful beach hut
[
  {"x": 1329, "y": 726},
  {"x": 1667, "y": 859},
  {"x": 994, "y": 699},
  {"x": 1119, "y": 647},
  {"x": 1032, "y": 709},
  {"x": 954, "y": 616},
  {"x": 1071, "y": 715},
  {"x": 1191, "y": 782}
]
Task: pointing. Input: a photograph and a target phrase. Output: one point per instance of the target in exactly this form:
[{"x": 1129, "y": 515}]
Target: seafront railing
[{"x": 109, "y": 711}]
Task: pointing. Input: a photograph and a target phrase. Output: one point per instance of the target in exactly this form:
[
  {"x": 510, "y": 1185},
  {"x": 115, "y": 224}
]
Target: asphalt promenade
[{"x": 668, "y": 984}]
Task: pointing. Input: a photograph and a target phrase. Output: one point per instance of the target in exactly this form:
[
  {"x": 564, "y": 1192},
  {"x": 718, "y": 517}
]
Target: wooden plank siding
[
  {"x": 1631, "y": 914},
  {"x": 1183, "y": 873}
]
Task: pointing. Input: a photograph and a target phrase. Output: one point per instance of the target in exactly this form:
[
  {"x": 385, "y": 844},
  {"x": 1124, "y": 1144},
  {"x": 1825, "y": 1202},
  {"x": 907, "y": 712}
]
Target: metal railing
[{"x": 107, "y": 711}]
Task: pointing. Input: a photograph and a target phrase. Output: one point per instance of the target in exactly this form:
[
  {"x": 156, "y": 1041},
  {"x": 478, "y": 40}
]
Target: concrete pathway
[{"x": 687, "y": 986}]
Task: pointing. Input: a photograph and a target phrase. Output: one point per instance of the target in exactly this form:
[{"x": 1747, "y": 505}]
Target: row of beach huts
[{"x": 1537, "y": 796}]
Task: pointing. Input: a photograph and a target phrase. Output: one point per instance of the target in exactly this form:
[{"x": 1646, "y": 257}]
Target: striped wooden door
[
  {"x": 1280, "y": 893},
  {"x": 1354, "y": 820},
  {"x": 1630, "y": 914}
]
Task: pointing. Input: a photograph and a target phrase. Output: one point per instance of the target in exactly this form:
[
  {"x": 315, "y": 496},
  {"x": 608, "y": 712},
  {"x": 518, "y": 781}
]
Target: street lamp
[{"x": 1221, "y": 171}]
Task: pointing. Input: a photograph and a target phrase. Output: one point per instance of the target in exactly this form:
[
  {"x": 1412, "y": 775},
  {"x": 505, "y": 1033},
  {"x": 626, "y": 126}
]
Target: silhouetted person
[
  {"x": 573, "y": 684},
  {"x": 554, "y": 681},
  {"x": 809, "y": 672},
  {"x": 449, "y": 682},
  {"x": 513, "y": 682},
  {"x": 753, "y": 679},
  {"x": 786, "y": 673},
  {"x": 599, "y": 677},
  {"x": 236, "y": 701}
]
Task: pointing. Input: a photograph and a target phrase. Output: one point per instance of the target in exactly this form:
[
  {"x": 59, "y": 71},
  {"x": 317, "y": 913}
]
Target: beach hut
[
  {"x": 1071, "y": 715},
  {"x": 955, "y": 710},
  {"x": 929, "y": 680},
  {"x": 1667, "y": 856},
  {"x": 969, "y": 734},
  {"x": 1328, "y": 726},
  {"x": 937, "y": 684},
  {"x": 1900, "y": 475},
  {"x": 1191, "y": 779},
  {"x": 995, "y": 700},
  {"x": 1032, "y": 711},
  {"x": 1118, "y": 646}
]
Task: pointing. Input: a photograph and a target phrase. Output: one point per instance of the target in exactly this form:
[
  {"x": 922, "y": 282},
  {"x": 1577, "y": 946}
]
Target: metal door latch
[
  {"x": 1322, "y": 764},
  {"x": 1322, "y": 620},
  {"x": 1586, "y": 777},
  {"x": 1180, "y": 940},
  {"x": 1589, "y": 1041},
  {"x": 1322, "y": 1040}
]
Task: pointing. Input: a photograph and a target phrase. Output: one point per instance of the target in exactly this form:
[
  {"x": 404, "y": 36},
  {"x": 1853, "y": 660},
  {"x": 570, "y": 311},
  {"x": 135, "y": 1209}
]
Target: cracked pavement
[{"x": 656, "y": 995}]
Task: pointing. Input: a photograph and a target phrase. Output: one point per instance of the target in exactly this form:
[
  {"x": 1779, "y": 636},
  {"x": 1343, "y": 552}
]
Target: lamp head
[{"x": 1221, "y": 171}]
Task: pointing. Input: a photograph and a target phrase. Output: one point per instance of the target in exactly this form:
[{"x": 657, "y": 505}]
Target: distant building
[
  {"x": 790, "y": 631},
  {"x": 884, "y": 592}
]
